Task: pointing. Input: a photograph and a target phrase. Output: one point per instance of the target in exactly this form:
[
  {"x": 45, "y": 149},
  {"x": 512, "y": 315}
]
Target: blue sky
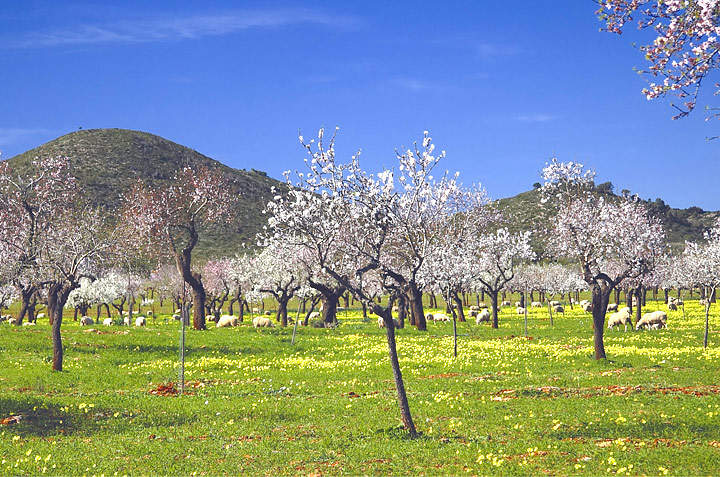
[{"x": 501, "y": 86}]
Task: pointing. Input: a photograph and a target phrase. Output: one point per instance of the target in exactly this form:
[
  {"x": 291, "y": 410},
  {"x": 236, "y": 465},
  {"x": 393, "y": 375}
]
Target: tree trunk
[
  {"x": 494, "y": 305},
  {"x": 397, "y": 374},
  {"x": 241, "y": 304},
  {"x": 460, "y": 312},
  {"x": 198, "y": 294},
  {"x": 638, "y": 307},
  {"x": 57, "y": 297},
  {"x": 600, "y": 300},
  {"x": 628, "y": 300},
  {"x": 416, "y": 307},
  {"x": 402, "y": 310},
  {"x": 707, "y": 318},
  {"x": 25, "y": 294},
  {"x": 281, "y": 315}
]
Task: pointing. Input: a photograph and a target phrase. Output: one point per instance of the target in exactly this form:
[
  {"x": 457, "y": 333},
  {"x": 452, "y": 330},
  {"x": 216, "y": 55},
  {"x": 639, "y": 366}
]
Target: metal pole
[
  {"x": 297, "y": 318},
  {"x": 183, "y": 317},
  {"x": 526, "y": 308}
]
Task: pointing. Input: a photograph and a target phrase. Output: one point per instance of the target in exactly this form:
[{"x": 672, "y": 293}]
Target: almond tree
[
  {"x": 280, "y": 273},
  {"x": 30, "y": 202},
  {"x": 498, "y": 253},
  {"x": 341, "y": 209},
  {"x": 218, "y": 282},
  {"x": 685, "y": 50},
  {"x": 171, "y": 218},
  {"x": 611, "y": 241},
  {"x": 702, "y": 267}
]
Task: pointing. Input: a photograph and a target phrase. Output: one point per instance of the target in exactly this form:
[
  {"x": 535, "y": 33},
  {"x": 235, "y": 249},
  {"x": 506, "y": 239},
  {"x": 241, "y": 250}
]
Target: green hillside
[{"x": 109, "y": 161}]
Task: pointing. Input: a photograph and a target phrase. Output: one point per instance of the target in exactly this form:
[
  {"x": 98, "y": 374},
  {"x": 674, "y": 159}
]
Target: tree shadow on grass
[
  {"x": 36, "y": 418},
  {"x": 652, "y": 429}
]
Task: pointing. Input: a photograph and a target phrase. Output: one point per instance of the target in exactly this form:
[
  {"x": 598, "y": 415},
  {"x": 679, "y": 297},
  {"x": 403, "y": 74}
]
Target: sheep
[
  {"x": 517, "y": 303},
  {"x": 178, "y": 311},
  {"x": 176, "y": 317},
  {"x": 227, "y": 321},
  {"x": 505, "y": 303},
  {"x": 520, "y": 310},
  {"x": 555, "y": 303},
  {"x": 381, "y": 322},
  {"x": 313, "y": 315},
  {"x": 474, "y": 308},
  {"x": 482, "y": 305},
  {"x": 40, "y": 315},
  {"x": 558, "y": 309},
  {"x": 12, "y": 321},
  {"x": 625, "y": 308},
  {"x": 587, "y": 307},
  {"x": 672, "y": 306},
  {"x": 536, "y": 304},
  {"x": 621, "y": 317},
  {"x": 140, "y": 321},
  {"x": 474, "y": 313},
  {"x": 149, "y": 313},
  {"x": 612, "y": 307},
  {"x": 108, "y": 322},
  {"x": 126, "y": 321},
  {"x": 209, "y": 317},
  {"x": 28, "y": 323},
  {"x": 86, "y": 321},
  {"x": 583, "y": 302},
  {"x": 256, "y": 311},
  {"x": 652, "y": 320},
  {"x": 262, "y": 322},
  {"x": 438, "y": 317},
  {"x": 483, "y": 316}
]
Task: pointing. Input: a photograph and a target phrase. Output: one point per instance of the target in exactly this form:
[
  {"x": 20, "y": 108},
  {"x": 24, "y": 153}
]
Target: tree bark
[
  {"x": 416, "y": 307},
  {"x": 57, "y": 297},
  {"x": 402, "y": 309},
  {"x": 459, "y": 304},
  {"x": 281, "y": 315},
  {"x": 25, "y": 294},
  {"x": 638, "y": 307},
  {"x": 397, "y": 374},
  {"x": 494, "y": 305},
  {"x": 600, "y": 300}
]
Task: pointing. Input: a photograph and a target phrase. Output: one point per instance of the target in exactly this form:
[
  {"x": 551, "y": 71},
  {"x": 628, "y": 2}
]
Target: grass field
[{"x": 256, "y": 404}]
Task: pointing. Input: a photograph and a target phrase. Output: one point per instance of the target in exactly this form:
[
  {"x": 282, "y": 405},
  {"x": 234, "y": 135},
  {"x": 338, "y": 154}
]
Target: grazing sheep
[
  {"x": 482, "y": 305},
  {"x": 439, "y": 317},
  {"x": 256, "y": 311},
  {"x": 618, "y": 318},
  {"x": 536, "y": 304},
  {"x": 558, "y": 309},
  {"x": 625, "y": 308},
  {"x": 612, "y": 307},
  {"x": 381, "y": 322},
  {"x": 587, "y": 307},
  {"x": 583, "y": 302},
  {"x": 108, "y": 322},
  {"x": 474, "y": 313},
  {"x": 227, "y": 321},
  {"x": 140, "y": 321},
  {"x": 672, "y": 306},
  {"x": 517, "y": 303},
  {"x": 269, "y": 313},
  {"x": 177, "y": 317},
  {"x": 520, "y": 310},
  {"x": 40, "y": 315},
  {"x": 505, "y": 303},
  {"x": 483, "y": 316},
  {"x": 555, "y": 303},
  {"x": 262, "y": 322},
  {"x": 652, "y": 320},
  {"x": 178, "y": 311},
  {"x": 86, "y": 321},
  {"x": 28, "y": 323},
  {"x": 126, "y": 321},
  {"x": 313, "y": 315},
  {"x": 12, "y": 321}
]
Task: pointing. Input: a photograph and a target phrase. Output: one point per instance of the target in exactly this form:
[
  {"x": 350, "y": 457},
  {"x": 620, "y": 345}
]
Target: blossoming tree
[
  {"x": 610, "y": 240},
  {"x": 170, "y": 220}
]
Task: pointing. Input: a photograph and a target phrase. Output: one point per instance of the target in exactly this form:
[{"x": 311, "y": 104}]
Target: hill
[
  {"x": 109, "y": 161},
  {"x": 680, "y": 224}
]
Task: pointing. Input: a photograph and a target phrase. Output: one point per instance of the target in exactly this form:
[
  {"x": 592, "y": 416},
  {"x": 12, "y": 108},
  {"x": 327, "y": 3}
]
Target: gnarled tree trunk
[{"x": 416, "y": 306}]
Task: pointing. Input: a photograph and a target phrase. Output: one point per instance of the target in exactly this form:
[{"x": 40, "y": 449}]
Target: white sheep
[
  {"x": 108, "y": 322},
  {"x": 653, "y": 320},
  {"x": 226, "y": 321},
  {"x": 520, "y": 310},
  {"x": 536, "y": 304},
  {"x": 474, "y": 313},
  {"x": 587, "y": 307},
  {"x": 505, "y": 303},
  {"x": 256, "y": 311},
  {"x": 558, "y": 309},
  {"x": 12, "y": 321},
  {"x": 612, "y": 307},
  {"x": 555, "y": 303},
  {"x": 672, "y": 306},
  {"x": 209, "y": 317},
  {"x": 140, "y": 321},
  {"x": 40, "y": 315},
  {"x": 314, "y": 315},
  {"x": 28, "y": 323},
  {"x": 483, "y": 316},
  {"x": 439, "y": 317},
  {"x": 517, "y": 303},
  {"x": 262, "y": 322},
  {"x": 86, "y": 321},
  {"x": 176, "y": 317},
  {"x": 126, "y": 321},
  {"x": 618, "y": 318},
  {"x": 474, "y": 307}
]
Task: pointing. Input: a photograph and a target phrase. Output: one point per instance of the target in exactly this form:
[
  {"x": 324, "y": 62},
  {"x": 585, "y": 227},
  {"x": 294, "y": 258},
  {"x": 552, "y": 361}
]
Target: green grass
[{"x": 506, "y": 405}]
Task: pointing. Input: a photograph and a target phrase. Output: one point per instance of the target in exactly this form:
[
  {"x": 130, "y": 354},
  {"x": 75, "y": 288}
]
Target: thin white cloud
[
  {"x": 485, "y": 50},
  {"x": 536, "y": 118},
  {"x": 13, "y": 135},
  {"x": 177, "y": 28}
]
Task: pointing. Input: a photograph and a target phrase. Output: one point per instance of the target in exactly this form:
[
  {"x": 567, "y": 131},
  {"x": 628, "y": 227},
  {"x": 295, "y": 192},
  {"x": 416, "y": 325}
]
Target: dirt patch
[{"x": 440, "y": 376}]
